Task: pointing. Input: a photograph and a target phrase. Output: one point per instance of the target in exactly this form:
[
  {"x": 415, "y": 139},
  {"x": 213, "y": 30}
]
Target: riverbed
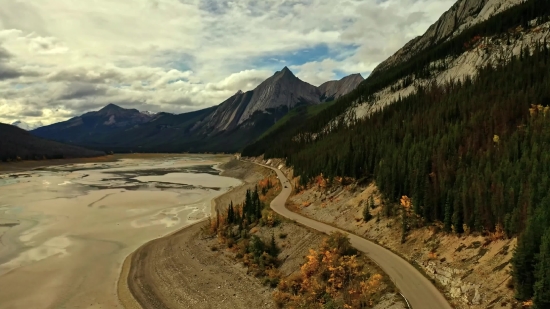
[{"x": 65, "y": 230}]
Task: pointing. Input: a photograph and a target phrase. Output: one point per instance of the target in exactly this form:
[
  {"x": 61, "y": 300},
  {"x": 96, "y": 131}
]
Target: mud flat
[
  {"x": 66, "y": 230},
  {"x": 182, "y": 271}
]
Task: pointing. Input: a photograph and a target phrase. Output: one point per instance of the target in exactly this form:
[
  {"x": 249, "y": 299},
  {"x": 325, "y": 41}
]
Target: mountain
[
  {"x": 457, "y": 121},
  {"x": 227, "y": 127},
  {"x": 108, "y": 119},
  {"x": 16, "y": 143},
  {"x": 334, "y": 89},
  {"x": 27, "y": 126},
  {"x": 462, "y": 15}
]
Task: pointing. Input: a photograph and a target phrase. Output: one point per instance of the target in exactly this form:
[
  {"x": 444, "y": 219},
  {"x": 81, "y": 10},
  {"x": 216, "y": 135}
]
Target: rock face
[
  {"x": 486, "y": 51},
  {"x": 336, "y": 88},
  {"x": 462, "y": 15},
  {"x": 281, "y": 92},
  {"x": 281, "y": 89}
]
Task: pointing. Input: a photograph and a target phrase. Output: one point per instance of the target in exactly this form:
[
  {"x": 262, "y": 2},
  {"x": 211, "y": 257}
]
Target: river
[{"x": 65, "y": 230}]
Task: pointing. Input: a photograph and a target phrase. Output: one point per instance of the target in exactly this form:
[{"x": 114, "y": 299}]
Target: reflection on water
[{"x": 76, "y": 223}]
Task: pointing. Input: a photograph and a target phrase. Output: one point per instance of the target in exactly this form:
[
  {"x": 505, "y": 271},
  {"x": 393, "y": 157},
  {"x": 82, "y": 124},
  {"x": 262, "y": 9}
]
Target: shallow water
[{"x": 65, "y": 230}]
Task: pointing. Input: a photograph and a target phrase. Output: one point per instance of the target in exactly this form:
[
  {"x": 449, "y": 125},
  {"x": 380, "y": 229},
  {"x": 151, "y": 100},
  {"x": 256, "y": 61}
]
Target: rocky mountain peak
[
  {"x": 111, "y": 107},
  {"x": 334, "y": 89},
  {"x": 462, "y": 15}
]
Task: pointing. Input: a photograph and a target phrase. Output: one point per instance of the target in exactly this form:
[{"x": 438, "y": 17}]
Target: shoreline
[{"x": 123, "y": 290}]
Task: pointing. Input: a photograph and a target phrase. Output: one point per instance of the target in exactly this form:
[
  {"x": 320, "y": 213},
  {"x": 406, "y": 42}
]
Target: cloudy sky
[{"x": 60, "y": 58}]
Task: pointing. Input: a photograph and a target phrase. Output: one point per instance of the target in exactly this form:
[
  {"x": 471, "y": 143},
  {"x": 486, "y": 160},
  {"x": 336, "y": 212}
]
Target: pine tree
[
  {"x": 229, "y": 214},
  {"x": 447, "y": 226},
  {"x": 458, "y": 219},
  {"x": 273, "y": 250},
  {"x": 367, "y": 216},
  {"x": 371, "y": 202},
  {"x": 542, "y": 275},
  {"x": 523, "y": 263}
]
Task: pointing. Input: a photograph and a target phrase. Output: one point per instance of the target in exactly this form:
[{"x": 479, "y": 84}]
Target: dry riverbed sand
[{"x": 66, "y": 230}]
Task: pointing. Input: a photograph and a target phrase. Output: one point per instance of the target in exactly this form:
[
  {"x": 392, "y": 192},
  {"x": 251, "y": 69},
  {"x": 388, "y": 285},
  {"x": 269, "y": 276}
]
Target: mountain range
[{"x": 227, "y": 127}]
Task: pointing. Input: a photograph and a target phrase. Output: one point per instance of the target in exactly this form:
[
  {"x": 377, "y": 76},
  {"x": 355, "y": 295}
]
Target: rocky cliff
[
  {"x": 481, "y": 51},
  {"x": 462, "y": 15},
  {"x": 336, "y": 88}
]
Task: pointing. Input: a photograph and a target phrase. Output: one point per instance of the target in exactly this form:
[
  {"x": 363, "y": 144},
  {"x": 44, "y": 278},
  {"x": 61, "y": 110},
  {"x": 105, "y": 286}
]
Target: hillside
[
  {"x": 227, "y": 127},
  {"x": 459, "y": 125},
  {"x": 18, "y": 144}
]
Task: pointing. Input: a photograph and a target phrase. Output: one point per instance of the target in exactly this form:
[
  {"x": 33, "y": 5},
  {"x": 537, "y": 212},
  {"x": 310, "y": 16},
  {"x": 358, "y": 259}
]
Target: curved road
[{"x": 419, "y": 291}]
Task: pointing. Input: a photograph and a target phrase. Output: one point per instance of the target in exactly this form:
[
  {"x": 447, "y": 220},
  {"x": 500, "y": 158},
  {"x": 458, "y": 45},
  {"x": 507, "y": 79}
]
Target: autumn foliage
[{"x": 333, "y": 276}]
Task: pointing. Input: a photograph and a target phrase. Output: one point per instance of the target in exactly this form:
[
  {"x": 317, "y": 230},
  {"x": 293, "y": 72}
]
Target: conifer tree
[
  {"x": 367, "y": 216},
  {"x": 273, "y": 250},
  {"x": 447, "y": 224},
  {"x": 541, "y": 299},
  {"x": 523, "y": 263}
]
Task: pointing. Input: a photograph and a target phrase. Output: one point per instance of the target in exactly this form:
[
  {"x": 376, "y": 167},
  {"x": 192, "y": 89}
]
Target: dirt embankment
[
  {"x": 474, "y": 271},
  {"x": 189, "y": 270}
]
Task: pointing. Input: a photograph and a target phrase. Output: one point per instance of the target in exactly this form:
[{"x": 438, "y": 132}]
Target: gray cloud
[
  {"x": 4, "y": 54},
  {"x": 79, "y": 90},
  {"x": 32, "y": 113},
  {"x": 7, "y": 72},
  {"x": 182, "y": 55}
]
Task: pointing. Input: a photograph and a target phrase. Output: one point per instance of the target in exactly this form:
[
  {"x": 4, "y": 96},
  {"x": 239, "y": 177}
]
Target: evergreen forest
[{"x": 473, "y": 154}]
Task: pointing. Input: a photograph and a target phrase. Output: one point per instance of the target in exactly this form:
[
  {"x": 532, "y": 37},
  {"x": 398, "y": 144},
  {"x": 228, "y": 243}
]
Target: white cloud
[{"x": 60, "y": 58}]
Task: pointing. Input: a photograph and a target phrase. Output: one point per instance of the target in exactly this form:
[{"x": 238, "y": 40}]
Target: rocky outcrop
[
  {"x": 462, "y": 15},
  {"x": 334, "y": 89},
  {"x": 282, "y": 89},
  {"x": 487, "y": 51},
  {"x": 281, "y": 92}
]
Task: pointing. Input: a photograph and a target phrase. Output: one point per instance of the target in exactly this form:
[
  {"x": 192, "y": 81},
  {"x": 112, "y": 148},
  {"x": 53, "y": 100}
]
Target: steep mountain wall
[
  {"x": 462, "y": 15},
  {"x": 486, "y": 51}
]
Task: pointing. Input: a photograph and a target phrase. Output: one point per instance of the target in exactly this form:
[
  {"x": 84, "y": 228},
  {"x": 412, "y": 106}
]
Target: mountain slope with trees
[
  {"x": 471, "y": 152},
  {"x": 18, "y": 144}
]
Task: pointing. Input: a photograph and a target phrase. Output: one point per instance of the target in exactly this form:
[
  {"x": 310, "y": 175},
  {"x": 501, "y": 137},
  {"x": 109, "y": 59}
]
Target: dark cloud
[
  {"x": 82, "y": 90},
  {"x": 4, "y": 54},
  {"x": 81, "y": 75},
  {"x": 32, "y": 113},
  {"x": 7, "y": 72}
]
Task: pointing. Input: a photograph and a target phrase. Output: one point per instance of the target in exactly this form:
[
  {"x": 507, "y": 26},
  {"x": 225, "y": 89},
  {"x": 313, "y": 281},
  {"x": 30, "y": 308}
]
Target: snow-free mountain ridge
[{"x": 226, "y": 127}]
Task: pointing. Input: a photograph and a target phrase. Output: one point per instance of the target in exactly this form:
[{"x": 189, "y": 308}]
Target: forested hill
[
  {"x": 18, "y": 144},
  {"x": 472, "y": 154}
]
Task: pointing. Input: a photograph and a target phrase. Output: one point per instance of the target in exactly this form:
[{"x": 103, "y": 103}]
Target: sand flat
[{"x": 66, "y": 230}]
